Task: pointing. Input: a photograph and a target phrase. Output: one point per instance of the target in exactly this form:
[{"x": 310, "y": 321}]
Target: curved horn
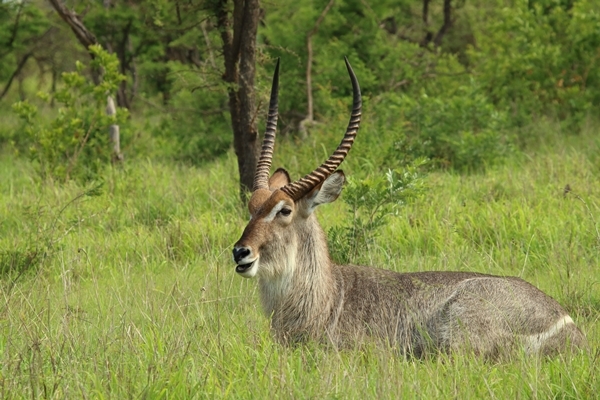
[
  {"x": 301, "y": 187},
  {"x": 261, "y": 175}
]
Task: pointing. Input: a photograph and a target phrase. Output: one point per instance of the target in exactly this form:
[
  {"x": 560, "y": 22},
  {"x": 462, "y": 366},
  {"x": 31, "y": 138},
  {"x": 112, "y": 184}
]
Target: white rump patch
[
  {"x": 535, "y": 342},
  {"x": 274, "y": 211}
]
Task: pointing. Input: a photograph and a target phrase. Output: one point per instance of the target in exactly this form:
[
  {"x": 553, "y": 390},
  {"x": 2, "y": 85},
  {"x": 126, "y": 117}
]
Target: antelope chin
[{"x": 247, "y": 270}]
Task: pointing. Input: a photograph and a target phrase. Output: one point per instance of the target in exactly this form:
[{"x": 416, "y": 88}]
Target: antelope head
[{"x": 282, "y": 223}]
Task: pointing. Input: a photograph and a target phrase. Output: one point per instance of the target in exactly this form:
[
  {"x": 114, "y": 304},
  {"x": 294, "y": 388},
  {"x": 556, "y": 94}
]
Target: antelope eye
[{"x": 285, "y": 212}]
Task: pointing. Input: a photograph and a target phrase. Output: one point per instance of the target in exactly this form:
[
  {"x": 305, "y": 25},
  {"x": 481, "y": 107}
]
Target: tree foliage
[
  {"x": 73, "y": 144},
  {"x": 454, "y": 81},
  {"x": 540, "y": 57}
]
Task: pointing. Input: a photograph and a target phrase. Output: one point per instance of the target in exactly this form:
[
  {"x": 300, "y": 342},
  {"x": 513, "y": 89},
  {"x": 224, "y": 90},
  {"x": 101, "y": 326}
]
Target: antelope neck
[{"x": 306, "y": 281}]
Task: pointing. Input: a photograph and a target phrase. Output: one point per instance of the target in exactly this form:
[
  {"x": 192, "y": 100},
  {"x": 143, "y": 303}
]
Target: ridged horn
[
  {"x": 298, "y": 189},
  {"x": 261, "y": 175}
]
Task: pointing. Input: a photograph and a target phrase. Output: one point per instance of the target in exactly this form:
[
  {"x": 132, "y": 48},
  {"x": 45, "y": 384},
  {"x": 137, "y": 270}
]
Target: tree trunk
[{"x": 238, "y": 34}]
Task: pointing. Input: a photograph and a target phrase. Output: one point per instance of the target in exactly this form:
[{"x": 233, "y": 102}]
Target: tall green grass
[{"x": 129, "y": 290}]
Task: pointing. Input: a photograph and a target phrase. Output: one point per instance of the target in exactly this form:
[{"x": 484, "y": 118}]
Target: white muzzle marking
[{"x": 249, "y": 272}]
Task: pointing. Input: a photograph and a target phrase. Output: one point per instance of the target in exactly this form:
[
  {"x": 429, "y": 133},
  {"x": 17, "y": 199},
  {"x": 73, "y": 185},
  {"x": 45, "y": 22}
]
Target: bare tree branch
[
  {"x": 134, "y": 73},
  {"x": 15, "y": 73},
  {"x": 13, "y": 35},
  {"x": 447, "y": 23},
  {"x": 85, "y": 37},
  {"x": 310, "y": 112},
  {"x": 425, "y": 14},
  {"x": 211, "y": 57}
]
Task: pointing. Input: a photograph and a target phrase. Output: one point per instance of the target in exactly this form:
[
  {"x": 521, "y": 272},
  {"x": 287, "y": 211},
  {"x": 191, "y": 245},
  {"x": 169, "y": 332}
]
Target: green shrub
[
  {"x": 189, "y": 134},
  {"x": 539, "y": 58},
  {"x": 74, "y": 144},
  {"x": 371, "y": 202},
  {"x": 463, "y": 131},
  {"x": 382, "y": 61}
]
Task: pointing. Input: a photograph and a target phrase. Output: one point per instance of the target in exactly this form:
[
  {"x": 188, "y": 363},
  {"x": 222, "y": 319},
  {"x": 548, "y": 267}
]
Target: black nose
[{"x": 239, "y": 253}]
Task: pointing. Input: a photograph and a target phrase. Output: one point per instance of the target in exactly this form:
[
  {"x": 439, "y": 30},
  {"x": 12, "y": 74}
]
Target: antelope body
[{"x": 308, "y": 297}]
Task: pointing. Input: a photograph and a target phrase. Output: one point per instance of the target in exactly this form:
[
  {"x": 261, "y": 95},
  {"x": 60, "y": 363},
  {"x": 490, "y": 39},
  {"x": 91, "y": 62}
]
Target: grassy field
[{"x": 129, "y": 291}]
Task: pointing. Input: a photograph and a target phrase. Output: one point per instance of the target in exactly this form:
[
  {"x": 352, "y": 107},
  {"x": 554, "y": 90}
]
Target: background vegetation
[{"x": 479, "y": 151}]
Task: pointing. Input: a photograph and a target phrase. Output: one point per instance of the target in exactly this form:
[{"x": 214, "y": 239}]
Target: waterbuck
[{"x": 308, "y": 297}]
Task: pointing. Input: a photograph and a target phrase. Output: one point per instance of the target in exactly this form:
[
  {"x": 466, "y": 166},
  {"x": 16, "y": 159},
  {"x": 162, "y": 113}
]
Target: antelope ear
[
  {"x": 327, "y": 192},
  {"x": 279, "y": 179}
]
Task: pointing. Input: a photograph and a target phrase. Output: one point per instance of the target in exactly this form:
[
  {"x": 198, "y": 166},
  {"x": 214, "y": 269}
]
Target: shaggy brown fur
[{"x": 310, "y": 298}]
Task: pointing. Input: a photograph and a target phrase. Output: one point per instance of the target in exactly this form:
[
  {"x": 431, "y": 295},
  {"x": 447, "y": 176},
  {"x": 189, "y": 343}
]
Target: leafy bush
[
  {"x": 539, "y": 57},
  {"x": 463, "y": 131},
  {"x": 196, "y": 130},
  {"x": 371, "y": 202},
  {"x": 383, "y": 62},
  {"x": 74, "y": 145}
]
